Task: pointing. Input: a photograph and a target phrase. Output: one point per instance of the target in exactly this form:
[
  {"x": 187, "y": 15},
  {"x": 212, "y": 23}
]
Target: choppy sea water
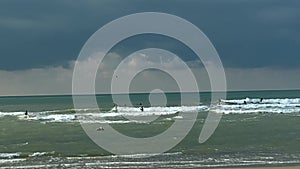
[{"x": 252, "y": 131}]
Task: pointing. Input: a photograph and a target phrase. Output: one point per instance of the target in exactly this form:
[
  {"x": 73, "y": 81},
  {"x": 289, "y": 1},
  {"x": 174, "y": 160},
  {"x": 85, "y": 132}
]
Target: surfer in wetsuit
[
  {"x": 142, "y": 107},
  {"x": 116, "y": 107},
  {"x": 26, "y": 114}
]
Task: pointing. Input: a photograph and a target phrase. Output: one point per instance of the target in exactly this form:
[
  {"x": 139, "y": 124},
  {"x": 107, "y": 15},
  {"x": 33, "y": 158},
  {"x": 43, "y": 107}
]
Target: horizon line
[{"x": 168, "y": 92}]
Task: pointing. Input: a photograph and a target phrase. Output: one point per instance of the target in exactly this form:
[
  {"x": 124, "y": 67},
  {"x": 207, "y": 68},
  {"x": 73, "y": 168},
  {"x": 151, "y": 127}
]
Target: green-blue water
[{"x": 252, "y": 134}]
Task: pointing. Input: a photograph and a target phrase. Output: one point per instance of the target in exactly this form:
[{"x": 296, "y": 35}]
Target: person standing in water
[
  {"x": 26, "y": 114},
  {"x": 116, "y": 107},
  {"x": 142, "y": 107}
]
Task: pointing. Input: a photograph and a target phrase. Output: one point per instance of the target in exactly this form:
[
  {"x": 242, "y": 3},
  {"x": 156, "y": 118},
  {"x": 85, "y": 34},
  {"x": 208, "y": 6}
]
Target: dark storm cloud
[{"x": 256, "y": 33}]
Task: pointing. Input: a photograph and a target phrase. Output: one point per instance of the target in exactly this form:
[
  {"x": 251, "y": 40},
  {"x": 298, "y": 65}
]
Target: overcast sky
[{"x": 258, "y": 41}]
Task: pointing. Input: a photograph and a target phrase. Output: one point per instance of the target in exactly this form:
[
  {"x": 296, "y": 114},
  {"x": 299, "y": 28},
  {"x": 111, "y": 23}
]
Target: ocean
[{"x": 252, "y": 131}]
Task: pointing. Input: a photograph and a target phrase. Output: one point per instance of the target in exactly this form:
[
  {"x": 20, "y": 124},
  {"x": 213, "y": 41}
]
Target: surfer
[
  {"x": 219, "y": 102},
  {"x": 26, "y": 114},
  {"x": 261, "y": 99},
  {"x": 142, "y": 107},
  {"x": 116, "y": 107}
]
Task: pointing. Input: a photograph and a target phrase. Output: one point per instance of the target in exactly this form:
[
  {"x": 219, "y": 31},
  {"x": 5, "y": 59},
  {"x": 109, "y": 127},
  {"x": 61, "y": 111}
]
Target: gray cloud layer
[
  {"x": 36, "y": 34},
  {"x": 58, "y": 80},
  {"x": 258, "y": 41}
]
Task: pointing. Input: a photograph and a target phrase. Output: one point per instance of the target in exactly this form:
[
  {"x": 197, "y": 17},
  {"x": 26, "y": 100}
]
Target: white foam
[
  {"x": 162, "y": 109},
  {"x": 257, "y": 106},
  {"x": 54, "y": 117},
  {"x": 264, "y": 101},
  {"x": 146, "y": 155},
  {"x": 9, "y": 155},
  {"x": 2, "y": 161},
  {"x": 37, "y": 154},
  {"x": 178, "y": 117},
  {"x": 11, "y": 113},
  {"x": 91, "y": 114},
  {"x": 148, "y": 111},
  {"x": 111, "y": 121}
]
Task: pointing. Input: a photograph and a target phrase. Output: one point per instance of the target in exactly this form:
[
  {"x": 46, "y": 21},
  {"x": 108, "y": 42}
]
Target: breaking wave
[
  {"x": 258, "y": 105},
  {"x": 92, "y": 116}
]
